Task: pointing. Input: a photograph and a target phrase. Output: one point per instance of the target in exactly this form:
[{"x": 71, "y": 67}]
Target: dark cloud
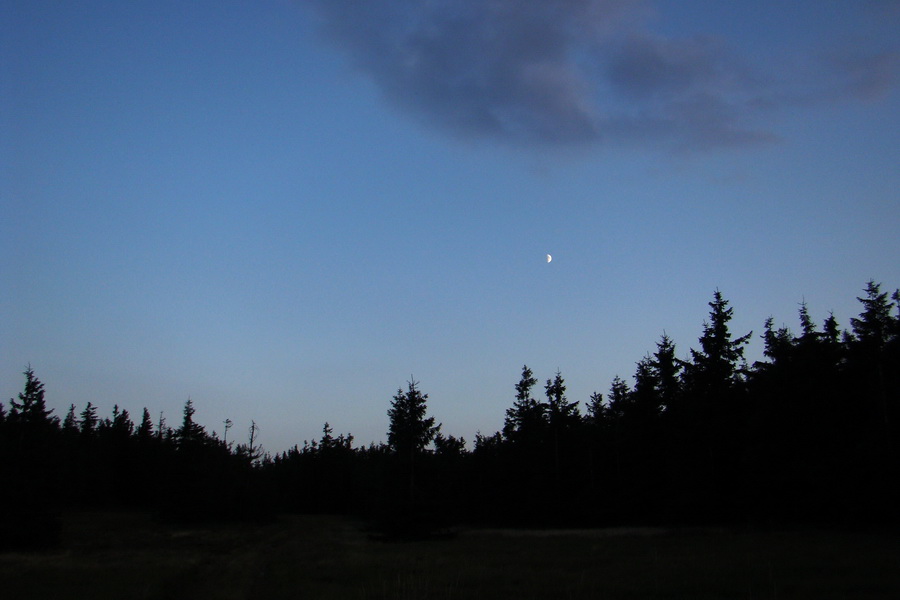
[
  {"x": 570, "y": 72},
  {"x": 863, "y": 76},
  {"x": 649, "y": 66},
  {"x": 499, "y": 69}
]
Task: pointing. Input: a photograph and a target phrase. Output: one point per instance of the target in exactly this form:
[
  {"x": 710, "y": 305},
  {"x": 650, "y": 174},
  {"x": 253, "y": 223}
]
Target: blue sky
[{"x": 282, "y": 210}]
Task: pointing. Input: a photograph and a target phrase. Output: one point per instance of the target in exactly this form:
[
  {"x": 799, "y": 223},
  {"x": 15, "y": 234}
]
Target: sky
[{"x": 284, "y": 210}]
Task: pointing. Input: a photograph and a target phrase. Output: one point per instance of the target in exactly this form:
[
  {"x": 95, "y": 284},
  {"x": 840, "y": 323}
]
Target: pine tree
[
  {"x": 327, "y": 442},
  {"x": 527, "y": 418},
  {"x": 668, "y": 370},
  {"x": 595, "y": 421},
  {"x": 251, "y": 452},
  {"x": 807, "y": 325},
  {"x": 31, "y": 410},
  {"x": 716, "y": 367},
  {"x": 70, "y": 423},
  {"x": 779, "y": 343},
  {"x": 711, "y": 427},
  {"x": 646, "y": 403},
  {"x": 89, "y": 420},
  {"x": 875, "y": 325},
  {"x": 410, "y": 431},
  {"x": 874, "y": 331},
  {"x": 619, "y": 396},
  {"x": 832, "y": 331},
  {"x": 120, "y": 426},
  {"x": 145, "y": 429},
  {"x": 561, "y": 414},
  {"x": 449, "y": 446},
  {"x": 190, "y": 433},
  {"x": 596, "y": 410}
]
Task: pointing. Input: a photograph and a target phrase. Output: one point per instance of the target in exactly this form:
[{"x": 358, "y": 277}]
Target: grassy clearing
[{"x": 129, "y": 555}]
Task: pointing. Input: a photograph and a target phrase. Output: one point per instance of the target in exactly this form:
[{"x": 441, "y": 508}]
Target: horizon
[{"x": 285, "y": 210}]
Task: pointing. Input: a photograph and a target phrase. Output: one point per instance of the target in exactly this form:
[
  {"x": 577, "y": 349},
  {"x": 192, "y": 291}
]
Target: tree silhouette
[
  {"x": 190, "y": 433},
  {"x": 877, "y": 359},
  {"x": 526, "y": 420},
  {"x": 715, "y": 368},
  {"x": 410, "y": 430},
  {"x": 70, "y": 423},
  {"x": 89, "y": 420},
  {"x": 145, "y": 429},
  {"x": 562, "y": 418},
  {"x": 809, "y": 432},
  {"x": 874, "y": 326},
  {"x": 29, "y": 470},
  {"x": 31, "y": 410}
]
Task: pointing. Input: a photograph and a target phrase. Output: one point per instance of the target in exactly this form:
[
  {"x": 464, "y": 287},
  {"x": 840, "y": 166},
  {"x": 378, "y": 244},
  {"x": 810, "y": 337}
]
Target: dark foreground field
[{"x": 129, "y": 555}]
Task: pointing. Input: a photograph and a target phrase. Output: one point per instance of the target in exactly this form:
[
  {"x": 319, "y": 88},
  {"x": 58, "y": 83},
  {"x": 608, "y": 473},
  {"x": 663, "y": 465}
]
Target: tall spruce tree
[
  {"x": 875, "y": 325},
  {"x": 561, "y": 414},
  {"x": 716, "y": 367},
  {"x": 89, "y": 421},
  {"x": 145, "y": 429},
  {"x": 619, "y": 396},
  {"x": 190, "y": 433},
  {"x": 712, "y": 424},
  {"x": 646, "y": 403},
  {"x": 668, "y": 370},
  {"x": 562, "y": 417},
  {"x": 874, "y": 331},
  {"x": 596, "y": 410},
  {"x": 31, "y": 410},
  {"x": 410, "y": 430},
  {"x": 527, "y": 418},
  {"x": 70, "y": 423}
]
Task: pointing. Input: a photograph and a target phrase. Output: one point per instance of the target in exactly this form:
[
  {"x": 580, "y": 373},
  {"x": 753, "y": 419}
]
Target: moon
[{"x": 549, "y": 258}]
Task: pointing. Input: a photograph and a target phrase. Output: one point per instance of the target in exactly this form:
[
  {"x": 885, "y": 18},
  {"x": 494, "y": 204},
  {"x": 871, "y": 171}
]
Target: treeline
[
  {"x": 810, "y": 433},
  {"x": 81, "y": 460}
]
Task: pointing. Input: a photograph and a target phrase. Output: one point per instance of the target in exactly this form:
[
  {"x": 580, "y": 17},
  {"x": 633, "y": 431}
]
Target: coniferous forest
[{"x": 810, "y": 434}]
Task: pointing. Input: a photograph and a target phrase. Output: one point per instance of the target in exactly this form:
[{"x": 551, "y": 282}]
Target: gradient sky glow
[{"x": 283, "y": 209}]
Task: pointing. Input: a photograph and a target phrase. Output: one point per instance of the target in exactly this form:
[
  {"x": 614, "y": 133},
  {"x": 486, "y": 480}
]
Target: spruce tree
[
  {"x": 527, "y": 418},
  {"x": 875, "y": 325},
  {"x": 31, "y": 410},
  {"x": 668, "y": 370},
  {"x": 716, "y": 367},
  {"x": 410, "y": 430},
  {"x": 712, "y": 426},
  {"x": 646, "y": 403},
  {"x": 145, "y": 429},
  {"x": 807, "y": 325},
  {"x": 874, "y": 331},
  {"x": 561, "y": 413},
  {"x": 596, "y": 410},
  {"x": 89, "y": 420},
  {"x": 190, "y": 433},
  {"x": 619, "y": 396},
  {"x": 70, "y": 423},
  {"x": 562, "y": 417}
]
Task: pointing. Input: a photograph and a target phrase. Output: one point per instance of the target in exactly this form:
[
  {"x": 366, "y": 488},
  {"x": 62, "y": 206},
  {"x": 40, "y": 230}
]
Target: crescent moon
[{"x": 549, "y": 258}]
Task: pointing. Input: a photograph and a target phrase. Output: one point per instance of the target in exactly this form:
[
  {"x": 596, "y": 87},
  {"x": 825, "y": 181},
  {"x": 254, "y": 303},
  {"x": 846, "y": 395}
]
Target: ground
[{"x": 132, "y": 555}]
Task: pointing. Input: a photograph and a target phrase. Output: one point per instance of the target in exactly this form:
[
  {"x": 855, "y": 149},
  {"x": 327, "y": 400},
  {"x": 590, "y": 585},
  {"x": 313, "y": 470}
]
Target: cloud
[
  {"x": 863, "y": 76},
  {"x": 576, "y": 72}
]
